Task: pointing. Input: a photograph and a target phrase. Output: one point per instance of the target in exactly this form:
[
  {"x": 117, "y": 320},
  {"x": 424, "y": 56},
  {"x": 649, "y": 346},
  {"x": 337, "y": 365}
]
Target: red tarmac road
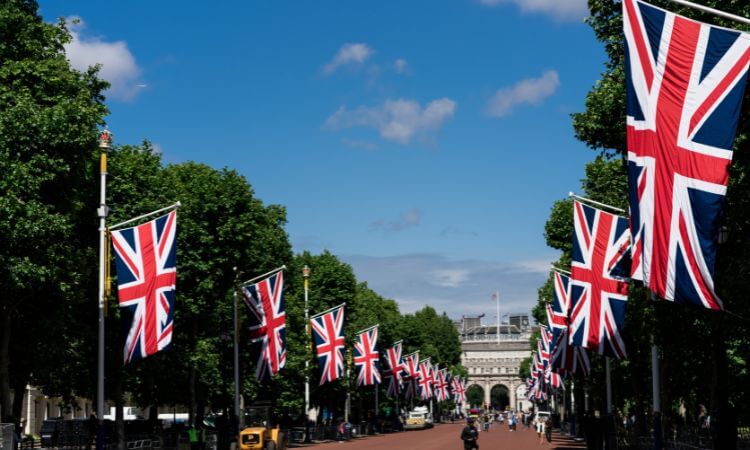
[{"x": 446, "y": 437}]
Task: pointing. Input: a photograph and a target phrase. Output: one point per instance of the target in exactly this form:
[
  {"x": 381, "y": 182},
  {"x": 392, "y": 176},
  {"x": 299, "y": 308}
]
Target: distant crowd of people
[{"x": 485, "y": 421}]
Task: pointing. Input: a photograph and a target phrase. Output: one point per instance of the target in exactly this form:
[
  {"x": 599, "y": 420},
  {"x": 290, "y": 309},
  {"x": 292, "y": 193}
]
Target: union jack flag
[
  {"x": 564, "y": 358},
  {"x": 443, "y": 385},
  {"x": 146, "y": 275},
  {"x": 366, "y": 357},
  {"x": 328, "y": 333},
  {"x": 395, "y": 370},
  {"x": 412, "y": 365},
  {"x": 685, "y": 84},
  {"x": 459, "y": 391},
  {"x": 425, "y": 379},
  {"x": 265, "y": 304},
  {"x": 437, "y": 389},
  {"x": 598, "y": 294}
]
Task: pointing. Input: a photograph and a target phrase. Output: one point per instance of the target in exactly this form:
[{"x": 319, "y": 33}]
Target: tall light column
[
  {"x": 306, "y": 276},
  {"x": 105, "y": 142}
]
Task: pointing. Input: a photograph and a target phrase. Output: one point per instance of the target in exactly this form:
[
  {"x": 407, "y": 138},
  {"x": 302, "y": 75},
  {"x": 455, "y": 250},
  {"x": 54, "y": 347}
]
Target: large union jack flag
[
  {"x": 265, "y": 304},
  {"x": 598, "y": 291},
  {"x": 685, "y": 84},
  {"x": 564, "y": 358},
  {"x": 146, "y": 275},
  {"x": 395, "y": 371},
  {"x": 366, "y": 357},
  {"x": 328, "y": 333}
]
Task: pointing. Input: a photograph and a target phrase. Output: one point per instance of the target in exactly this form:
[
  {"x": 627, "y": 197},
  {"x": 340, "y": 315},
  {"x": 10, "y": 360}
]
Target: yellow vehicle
[{"x": 260, "y": 435}]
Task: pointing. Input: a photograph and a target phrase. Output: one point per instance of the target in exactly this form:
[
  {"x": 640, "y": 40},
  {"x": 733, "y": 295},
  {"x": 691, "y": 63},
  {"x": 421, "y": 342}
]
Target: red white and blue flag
[
  {"x": 425, "y": 381},
  {"x": 459, "y": 390},
  {"x": 599, "y": 287},
  {"x": 411, "y": 365},
  {"x": 395, "y": 371},
  {"x": 146, "y": 275},
  {"x": 685, "y": 84},
  {"x": 444, "y": 385},
  {"x": 328, "y": 335},
  {"x": 267, "y": 312},
  {"x": 366, "y": 357},
  {"x": 564, "y": 357}
]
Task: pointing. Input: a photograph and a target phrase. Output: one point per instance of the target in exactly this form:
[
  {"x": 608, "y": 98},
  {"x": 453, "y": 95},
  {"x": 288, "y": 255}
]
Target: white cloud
[
  {"x": 118, "y": 65},
  {"x": 559, "y": 9},
  {"x": 396, "y": 120},
  {"x": 531, "y": 91},
  {"x": 348, "y": 54},
  {"x": 455, "y": 286},
  {"x": 408, "y": 219},
  {"x": 452, "y": 278},
  {"x": 401, "y": 65}
]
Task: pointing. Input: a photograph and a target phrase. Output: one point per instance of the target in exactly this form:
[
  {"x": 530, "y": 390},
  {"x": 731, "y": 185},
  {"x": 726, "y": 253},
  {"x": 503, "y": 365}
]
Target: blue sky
[{"x": 422, "y": 142}]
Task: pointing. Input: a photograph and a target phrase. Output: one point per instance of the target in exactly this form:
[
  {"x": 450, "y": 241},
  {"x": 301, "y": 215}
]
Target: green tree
[{"x": 49, "y": 115}]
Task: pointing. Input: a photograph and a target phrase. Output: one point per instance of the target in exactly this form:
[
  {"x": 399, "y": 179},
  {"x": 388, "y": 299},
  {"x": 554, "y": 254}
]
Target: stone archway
[
  {"x": 475, "y": 396},
  {"x": 500, "y": 397}
]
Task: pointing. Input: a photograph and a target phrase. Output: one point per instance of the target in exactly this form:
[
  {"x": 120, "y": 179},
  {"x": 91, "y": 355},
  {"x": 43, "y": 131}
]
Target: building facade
[{"x": 493, "y": 356}]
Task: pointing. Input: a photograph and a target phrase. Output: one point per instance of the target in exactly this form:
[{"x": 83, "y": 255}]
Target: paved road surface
[{"x": 446, "y": 437}]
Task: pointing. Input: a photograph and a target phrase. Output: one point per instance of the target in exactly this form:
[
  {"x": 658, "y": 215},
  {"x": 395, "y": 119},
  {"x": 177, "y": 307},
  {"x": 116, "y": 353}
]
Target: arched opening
[
  {"x": 475, "y": 396},
  {"x": 499, "y": 397}
]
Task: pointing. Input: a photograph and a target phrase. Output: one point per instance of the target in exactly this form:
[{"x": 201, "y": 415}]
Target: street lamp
[
  {"x": 306, "y": 277},
  {"x": 105, "y": 143}
]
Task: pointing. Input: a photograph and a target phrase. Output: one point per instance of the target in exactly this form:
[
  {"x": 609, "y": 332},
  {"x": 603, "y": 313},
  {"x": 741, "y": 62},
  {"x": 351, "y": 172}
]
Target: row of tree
[
  {"x": 50, "y": 115},
  {"x": 703, "y": 353}
]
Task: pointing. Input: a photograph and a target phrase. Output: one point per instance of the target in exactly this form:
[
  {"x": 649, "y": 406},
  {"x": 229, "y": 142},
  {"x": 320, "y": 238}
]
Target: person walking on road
[
  {"x": 470, "y": 435},
  {"x": 540, "y": 428}
]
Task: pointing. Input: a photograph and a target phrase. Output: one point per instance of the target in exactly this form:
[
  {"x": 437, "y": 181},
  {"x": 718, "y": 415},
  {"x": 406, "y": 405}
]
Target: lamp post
[
  {"x": 105, "y": 142},
  {"x": 306, "y": 277}
]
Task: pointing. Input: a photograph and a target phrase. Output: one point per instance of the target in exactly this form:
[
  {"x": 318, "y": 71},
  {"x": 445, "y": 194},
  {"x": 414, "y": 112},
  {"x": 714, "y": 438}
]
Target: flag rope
[
  {"x": 714, "y": 11},
  {"x": 143, "y": 216},
  {"x": 604, "y": 205}
]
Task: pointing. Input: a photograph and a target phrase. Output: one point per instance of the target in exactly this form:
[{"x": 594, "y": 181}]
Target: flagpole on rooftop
[
  {"x": 105, "y": 142},
  {"x": 497, "y": 297}
]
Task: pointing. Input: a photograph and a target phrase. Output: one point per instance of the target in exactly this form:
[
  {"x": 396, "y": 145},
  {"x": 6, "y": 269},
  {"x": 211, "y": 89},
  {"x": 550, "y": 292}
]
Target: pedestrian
[
  {"x": 470, "y": 435},
  {"x": 512, "y": 421},
  {"x": 487, "y": 423},
  {"x": 540, "y": 428}
]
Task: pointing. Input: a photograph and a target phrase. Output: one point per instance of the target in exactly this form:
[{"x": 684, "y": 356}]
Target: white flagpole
[
  {"x": 497, "y": 297},
  {"x": 105, "y": 141},
  {"x": 143, "y": 216},
  {"x": 713, "y": 11},
  {"x": 594, "y": 202}
]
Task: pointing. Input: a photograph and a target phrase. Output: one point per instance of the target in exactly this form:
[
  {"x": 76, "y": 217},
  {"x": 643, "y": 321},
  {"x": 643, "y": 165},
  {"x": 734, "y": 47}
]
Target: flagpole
[
  {"x": 270, "y": 272},
  {"x": 105, "y": 141},
  {"x": 609, "y": 385},
  {"x": 713, "y": 11},
  {"x": 143, "y": 216},
  {"x": 236, "y": 357},
  {"x": 572, "y": 407},
  {"x": 306, "y": 277},
  {"x": 603, "y": 205},
  {"x": 497, "y": 297}
]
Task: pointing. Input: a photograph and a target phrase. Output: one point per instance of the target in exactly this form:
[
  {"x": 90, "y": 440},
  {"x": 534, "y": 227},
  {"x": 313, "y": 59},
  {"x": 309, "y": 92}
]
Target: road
[{"x": 446, "y": 437}]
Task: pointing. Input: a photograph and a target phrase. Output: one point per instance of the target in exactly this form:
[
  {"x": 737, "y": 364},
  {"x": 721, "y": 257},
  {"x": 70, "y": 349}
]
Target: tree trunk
[{"x": 5, "y": 408}]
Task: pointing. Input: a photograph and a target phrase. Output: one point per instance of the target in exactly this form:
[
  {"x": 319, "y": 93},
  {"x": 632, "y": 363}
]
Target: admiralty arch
[{"x": 493, "y": 361}]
